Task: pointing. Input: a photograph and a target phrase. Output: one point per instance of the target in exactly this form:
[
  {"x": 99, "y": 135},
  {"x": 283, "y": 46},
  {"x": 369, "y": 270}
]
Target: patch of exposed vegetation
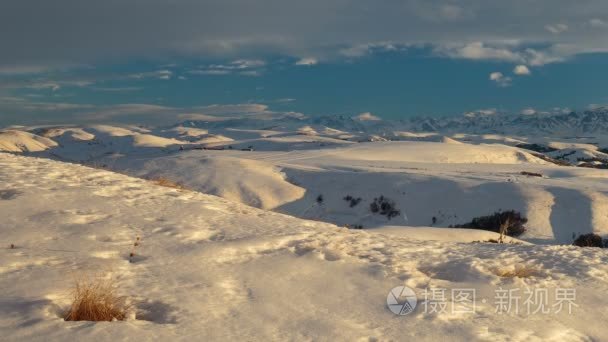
[
  {"x": 594, "y": 163},
  {"x": 590, "y": 240},
  {"x": 537, "y": 148},
  {"x": 352, "y": 201},
  {"x": 531, "y": 174},
  {"x": 166, "y": 182},
  {"x": 384, "y": 206},
  {"x": 354, "y": 226},
  {"x": 551, "y": 160},
  {"x": 96, "y": 300},
  {"x": 510, "y": 223}
]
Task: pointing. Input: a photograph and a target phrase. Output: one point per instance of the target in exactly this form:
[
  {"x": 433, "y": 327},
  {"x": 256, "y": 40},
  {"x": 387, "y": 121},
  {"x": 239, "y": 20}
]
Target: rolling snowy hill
[
  {"x": 433, "y": 179},
  {"x": 207, "y": 268}
]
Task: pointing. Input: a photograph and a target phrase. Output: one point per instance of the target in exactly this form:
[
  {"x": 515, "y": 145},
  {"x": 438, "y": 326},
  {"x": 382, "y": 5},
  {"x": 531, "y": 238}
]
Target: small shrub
[
  {"x": 531, "y": 174},
  {"x": 551, "y": 160},
  {"x": 162, "y": 181},
  {"x": 589, "y": 240},
  {"x": 354, "y": 226},
  {"x": 12, "y": 246},
  {"x": 96, "y": 300},
  {"x": 384, "y": 206},
  {"x": 537, "y": 148},
  {"x": 498, "y": 241},
  {"x": 374, "y": 207},
  {"x": 353, "y": 201},
  {"x": 511, "y": 221},
  {"x": 135, "y": 245}
]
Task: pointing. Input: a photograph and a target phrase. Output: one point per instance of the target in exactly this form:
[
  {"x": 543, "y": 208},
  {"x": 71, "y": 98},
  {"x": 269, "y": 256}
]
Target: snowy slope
[
  {"x": 425, "y": 180},
  {"x": 20, "y": 141},
  {"x": 212, "y": 269},
  {"x": 431, "y": 177},
  {"x": 252, "y": 182}
]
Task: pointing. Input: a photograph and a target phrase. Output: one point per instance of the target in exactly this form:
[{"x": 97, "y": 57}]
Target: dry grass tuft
[
  {"x": 96, "y": 300},
  {"x": 517, "y": 272},
  {"x": 162, "y": 181}
]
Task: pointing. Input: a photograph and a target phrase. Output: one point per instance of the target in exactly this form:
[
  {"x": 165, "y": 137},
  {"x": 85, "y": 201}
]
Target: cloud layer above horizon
[
  {"x": 72, "y": 59},
  {"x": 37, "y": 34}
]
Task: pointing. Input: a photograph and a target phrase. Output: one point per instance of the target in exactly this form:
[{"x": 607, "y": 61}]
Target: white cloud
[
  {"x": 45, "y": 85},
  {"x": 367, "y": 116},
  {"x": 360, "y": 50},
  {"x": 521, "y": 70},
  {"x": 245, "y": 67},
  {"x": 159, "y": 74},
  {"x": 500, "y": 79},
  {"x": 556, "y": 28},
  {"x": 116, "y": 89},
  {"x": 480, "y": 51},
  {"x": 539, "y": 58},
  {"x": 248, "y": 108},
  {"x": 595, "y": 106},
  {"x": 307, "y": 61},
  {"x": 205, "y": 117},
  {"x": 253, "y": 73},
  {"x": 482, "y": 112},
  {"x": 128, "y": 109},
  {"x": 528, "y": 111},
  {"x": 210, "y": 72},
  {"x": 474, "y": 29},
  {"x": 22, "y": 104},
  {"x": 246, "y": 64},
  {"x": 23, "y": 69},
  {"x": 495, "y": 76},
  {"x": 598, "y": 23},
  {"x": 509, "y": 51}
]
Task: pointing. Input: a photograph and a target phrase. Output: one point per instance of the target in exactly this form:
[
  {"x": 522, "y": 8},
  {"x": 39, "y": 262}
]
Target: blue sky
[{"x": 123, "y": 61}]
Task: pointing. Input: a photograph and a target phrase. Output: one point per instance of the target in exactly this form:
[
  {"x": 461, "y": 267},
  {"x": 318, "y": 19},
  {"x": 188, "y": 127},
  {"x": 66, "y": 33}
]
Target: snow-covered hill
[
  {"x": 433, "y": 179},
  {"x": 207, "y": 268}
]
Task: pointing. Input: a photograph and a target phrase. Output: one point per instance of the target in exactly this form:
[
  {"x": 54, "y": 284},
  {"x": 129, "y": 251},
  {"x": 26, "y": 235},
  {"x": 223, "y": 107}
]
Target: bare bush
[
  {"x": 96, "y": 300},
  {"x": 384, "y": 206},
  {"x": 352, "y": 200},
  {"x": 531, "y": 174},
  {"x": 166, "y": 182},
  {"x": 589, "y": 240},
  {"x": 509, "y": 223}
]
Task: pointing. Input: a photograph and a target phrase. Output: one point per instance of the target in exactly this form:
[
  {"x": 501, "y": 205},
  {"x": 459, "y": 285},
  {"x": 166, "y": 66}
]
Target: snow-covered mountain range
[
  {"x": 479, "y": 122},
  {"x": 589, "y": 121}
]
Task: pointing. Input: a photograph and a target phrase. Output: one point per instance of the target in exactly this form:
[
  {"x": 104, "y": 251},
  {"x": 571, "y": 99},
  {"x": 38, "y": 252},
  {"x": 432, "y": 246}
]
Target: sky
[{"x": 153, "y": 61}]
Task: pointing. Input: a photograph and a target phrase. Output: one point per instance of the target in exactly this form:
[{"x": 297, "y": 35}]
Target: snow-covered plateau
[{"x": 245, "y": 230}]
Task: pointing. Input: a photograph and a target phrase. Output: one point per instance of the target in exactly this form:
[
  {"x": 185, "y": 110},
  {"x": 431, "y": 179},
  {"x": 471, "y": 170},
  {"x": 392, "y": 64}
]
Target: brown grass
[
  {"x": 96, "y": 300},
  {"x": 162, "y": 181},
  {"x": 518, "y": 272}
]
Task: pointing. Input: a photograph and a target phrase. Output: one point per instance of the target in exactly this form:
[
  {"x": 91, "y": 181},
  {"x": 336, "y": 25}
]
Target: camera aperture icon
[{"x": 401, "y": 300}]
